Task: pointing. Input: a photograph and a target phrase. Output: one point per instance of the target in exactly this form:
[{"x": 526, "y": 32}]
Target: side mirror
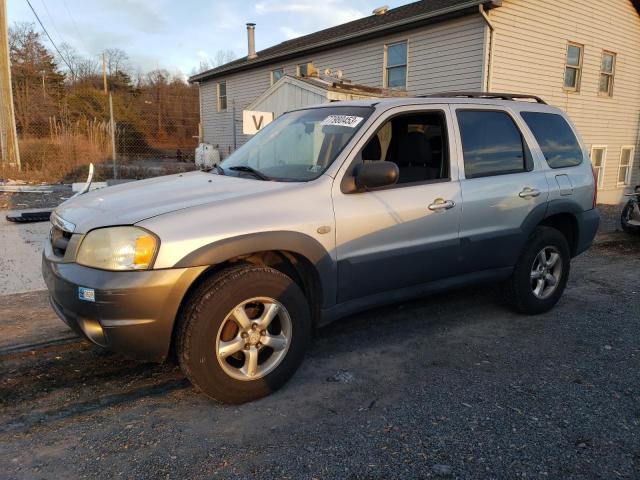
[{"x": 375, "y": 174}]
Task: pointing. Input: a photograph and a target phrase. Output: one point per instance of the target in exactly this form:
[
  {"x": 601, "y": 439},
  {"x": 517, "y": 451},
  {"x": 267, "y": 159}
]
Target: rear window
[{"x": 555, "y": 137}]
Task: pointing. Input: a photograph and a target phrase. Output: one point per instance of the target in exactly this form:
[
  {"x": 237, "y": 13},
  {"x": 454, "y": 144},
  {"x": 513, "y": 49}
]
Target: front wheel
[
  {"x": 243, "y": 333},
  {"x": 540, "y": 276}
]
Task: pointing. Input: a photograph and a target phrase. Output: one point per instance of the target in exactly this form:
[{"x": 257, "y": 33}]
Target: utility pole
[
  {"x": 8, "y": 134},
  {"x": 104, "y": 73},
  {"x": 113, "y": 136},
  {"x": 233, "y": 124}
]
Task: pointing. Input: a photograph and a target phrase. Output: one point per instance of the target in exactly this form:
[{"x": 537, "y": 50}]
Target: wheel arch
[
  {"x": 563, "y": 216},
  {"x": 295, "y": 254}
]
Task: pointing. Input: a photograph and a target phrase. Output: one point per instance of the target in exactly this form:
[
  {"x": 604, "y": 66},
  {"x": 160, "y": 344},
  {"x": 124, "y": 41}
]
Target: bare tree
[
  {"x": 116, "y": 60},
  {"x": 221, "y": 58},
  {"x": 224, "y": 56},
  {"x": 84, "y": 68}
]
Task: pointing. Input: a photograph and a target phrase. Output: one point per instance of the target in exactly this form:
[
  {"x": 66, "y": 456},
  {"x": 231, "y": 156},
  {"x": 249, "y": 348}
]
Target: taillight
[{"x": 595, "y": 186}]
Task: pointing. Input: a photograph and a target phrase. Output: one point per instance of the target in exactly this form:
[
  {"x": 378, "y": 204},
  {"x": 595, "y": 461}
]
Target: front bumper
[{"x": 133, "y": 312}]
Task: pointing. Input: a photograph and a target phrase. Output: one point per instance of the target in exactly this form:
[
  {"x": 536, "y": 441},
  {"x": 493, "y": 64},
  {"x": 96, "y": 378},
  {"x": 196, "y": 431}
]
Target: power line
[
  {"x": 53, "y": 22},
  {"x": 73, "y": 21},
  {"x": 50, "y": 39}
]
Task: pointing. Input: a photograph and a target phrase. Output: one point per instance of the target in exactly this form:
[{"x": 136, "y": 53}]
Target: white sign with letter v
[{"x": 253, "y": 122}]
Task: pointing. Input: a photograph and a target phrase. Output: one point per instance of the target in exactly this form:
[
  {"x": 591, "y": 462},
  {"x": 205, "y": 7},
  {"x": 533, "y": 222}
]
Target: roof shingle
[{"x": 400, "y": 17}]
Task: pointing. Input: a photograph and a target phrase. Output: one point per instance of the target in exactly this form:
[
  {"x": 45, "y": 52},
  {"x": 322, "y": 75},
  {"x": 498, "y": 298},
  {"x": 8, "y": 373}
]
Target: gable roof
[{"x": 396, "y": 19}]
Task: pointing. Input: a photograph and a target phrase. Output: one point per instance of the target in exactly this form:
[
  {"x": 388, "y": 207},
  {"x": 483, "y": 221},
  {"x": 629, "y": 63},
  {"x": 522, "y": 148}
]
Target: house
[{"x": 580, "y": 55}]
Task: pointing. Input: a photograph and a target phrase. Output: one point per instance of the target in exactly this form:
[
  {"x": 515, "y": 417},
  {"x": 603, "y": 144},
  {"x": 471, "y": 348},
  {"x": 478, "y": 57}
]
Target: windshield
[{"x": 298, "y": 146}]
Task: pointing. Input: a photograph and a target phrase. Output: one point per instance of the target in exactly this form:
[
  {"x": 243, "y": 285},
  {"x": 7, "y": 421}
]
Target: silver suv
[{"x": 327, "y": 211}]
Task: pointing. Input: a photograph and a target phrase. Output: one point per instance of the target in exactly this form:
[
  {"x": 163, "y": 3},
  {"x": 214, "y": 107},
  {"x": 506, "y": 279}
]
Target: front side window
[
  {"x": 607, "y": 71},
  {"x": 396, "y": 65},
  {"x": 557, "y": 141},
  {"x": 416, "y": 143},
  {"x": 573, "y": 67},
  {"x": 276, "y": 75},
  {"x": 598, "y": 157},
  {"x": 626, "y": 162},
  {"x": 222, "y": 96},
  {"x": 299, "y": 145},
  {"x": 492, "y": 144}
]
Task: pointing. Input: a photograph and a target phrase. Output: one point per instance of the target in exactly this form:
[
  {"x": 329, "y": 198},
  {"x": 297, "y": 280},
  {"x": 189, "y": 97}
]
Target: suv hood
[{"x": 132, "y": 202}]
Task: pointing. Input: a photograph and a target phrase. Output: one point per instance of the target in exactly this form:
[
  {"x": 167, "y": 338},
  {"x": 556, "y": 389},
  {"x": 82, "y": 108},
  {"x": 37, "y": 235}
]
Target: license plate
[{"x": 87, "y": 294}]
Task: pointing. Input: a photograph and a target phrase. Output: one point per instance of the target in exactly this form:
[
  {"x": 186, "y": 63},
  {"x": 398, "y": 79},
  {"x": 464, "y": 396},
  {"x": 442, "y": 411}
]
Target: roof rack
[{"x": 499, "y": 96}]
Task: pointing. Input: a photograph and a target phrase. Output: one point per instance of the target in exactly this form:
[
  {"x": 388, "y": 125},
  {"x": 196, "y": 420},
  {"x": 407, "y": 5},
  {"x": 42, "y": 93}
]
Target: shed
[{"x": 290, "y": 93}]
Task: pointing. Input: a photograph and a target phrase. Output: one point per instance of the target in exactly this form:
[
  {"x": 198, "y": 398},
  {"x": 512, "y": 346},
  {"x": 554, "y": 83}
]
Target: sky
[{"x": 177, "y": 34}]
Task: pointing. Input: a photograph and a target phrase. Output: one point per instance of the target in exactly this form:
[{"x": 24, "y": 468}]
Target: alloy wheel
[
  {"x": 546, "y": 272},
  {"x": 253, "y": 338}
]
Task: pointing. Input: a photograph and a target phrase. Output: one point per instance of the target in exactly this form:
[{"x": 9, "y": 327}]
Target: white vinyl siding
[
  {"x": 625, "y": 167},
  {"x": 530, "y": 50},
  {"x": 598, "y": 159},
  {"x": 443, "y": 56}
]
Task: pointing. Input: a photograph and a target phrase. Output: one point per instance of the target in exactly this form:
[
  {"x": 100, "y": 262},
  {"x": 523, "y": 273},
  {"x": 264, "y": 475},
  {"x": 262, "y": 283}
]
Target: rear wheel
[
  {"x": 243, "y": 333},
  {"x": 540, "y": 276}
]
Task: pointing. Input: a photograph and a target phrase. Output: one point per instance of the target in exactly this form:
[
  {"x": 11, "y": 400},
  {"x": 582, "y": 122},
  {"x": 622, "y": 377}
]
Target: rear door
[{"x": 504, "y": 186}]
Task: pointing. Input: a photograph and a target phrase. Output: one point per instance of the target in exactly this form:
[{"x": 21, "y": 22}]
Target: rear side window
[
  {"x": 555, "y": 137},
  {"x": 492, "y": 144}
]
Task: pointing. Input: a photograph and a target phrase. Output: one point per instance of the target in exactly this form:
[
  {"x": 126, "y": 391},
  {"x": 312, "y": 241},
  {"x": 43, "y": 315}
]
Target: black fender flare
[{"x": 222, "y": 250}]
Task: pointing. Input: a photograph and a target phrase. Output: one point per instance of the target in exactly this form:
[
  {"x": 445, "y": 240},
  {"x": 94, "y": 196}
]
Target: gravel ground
[
  {"x": 25, "y": 201},
  {"x": 610, "y": 218},
  {"x": 452, "y": 386}
]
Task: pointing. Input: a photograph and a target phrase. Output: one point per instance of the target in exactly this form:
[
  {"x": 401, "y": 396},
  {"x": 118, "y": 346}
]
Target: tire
[
  {"x": 627, "y": 213},
  {"x": 210, "y": 312},
  {"x": 522, "y": 286}
]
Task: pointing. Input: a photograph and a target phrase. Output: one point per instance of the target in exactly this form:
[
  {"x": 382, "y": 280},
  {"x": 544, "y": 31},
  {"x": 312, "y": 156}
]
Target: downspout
[{"x": 483, "y": 12}]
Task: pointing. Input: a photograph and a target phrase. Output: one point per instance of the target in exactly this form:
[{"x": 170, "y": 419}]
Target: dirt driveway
[{"x": 454, "y": 385}]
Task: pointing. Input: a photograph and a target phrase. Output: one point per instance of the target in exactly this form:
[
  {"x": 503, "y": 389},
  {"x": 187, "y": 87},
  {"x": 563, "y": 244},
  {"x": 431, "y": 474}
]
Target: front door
[{"x": 406, "y": 234}]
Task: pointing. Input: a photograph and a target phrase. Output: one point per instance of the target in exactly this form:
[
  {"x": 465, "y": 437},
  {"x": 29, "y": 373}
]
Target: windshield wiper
[
  {"x": 251, "y": 170},
  {"x": 219, "y": 169}
]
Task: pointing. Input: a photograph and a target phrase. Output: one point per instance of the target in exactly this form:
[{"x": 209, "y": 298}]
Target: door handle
[
  {"x": 440, "y": 204},
  {"x": 528, "y": 192}
]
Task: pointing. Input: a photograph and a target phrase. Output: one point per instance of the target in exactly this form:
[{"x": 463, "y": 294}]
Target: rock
[
  {"x": 442, "y": 470},
  {"x": 342, "y": 376}
]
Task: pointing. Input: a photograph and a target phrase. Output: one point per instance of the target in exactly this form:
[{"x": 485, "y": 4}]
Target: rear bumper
[
  {"x": 588, "y": 223},
  {"x": 133, "y": 312}
]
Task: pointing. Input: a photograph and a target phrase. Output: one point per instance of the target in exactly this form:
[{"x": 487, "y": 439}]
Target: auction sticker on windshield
[{"x": 342, "y": 120}]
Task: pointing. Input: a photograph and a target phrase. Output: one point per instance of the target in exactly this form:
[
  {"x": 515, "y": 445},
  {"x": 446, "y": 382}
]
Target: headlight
[{"x": 118, "y": 248}]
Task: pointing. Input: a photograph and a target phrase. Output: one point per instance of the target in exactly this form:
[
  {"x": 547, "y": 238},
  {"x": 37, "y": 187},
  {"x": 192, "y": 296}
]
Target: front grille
[{"x": 59, "y": 241}]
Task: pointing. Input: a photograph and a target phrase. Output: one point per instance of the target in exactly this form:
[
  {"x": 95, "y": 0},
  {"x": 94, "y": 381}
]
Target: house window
[
  {"x": 573, "y": 67},
  {"x": 276, "y": 75},
  {"x": 303, "y": 69},
  {"x": 222, "y": 96},
  {"x": 626, "y": 162},
  {"x": 598, "y": 156},
  {"x": 607, "y": 70},
  {"x": 395, "y": 68}
]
